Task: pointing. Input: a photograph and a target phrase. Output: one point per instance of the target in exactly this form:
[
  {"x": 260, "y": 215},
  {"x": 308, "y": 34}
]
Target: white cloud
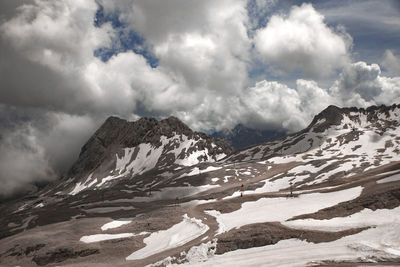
[
  {"x": 275, "y": 104},
  {"x": 22, "y": 161},
  {"x": 362, "y": 85},
  {"x": 313, "y": 98},
  {"x": 391, "y": 63},
  {"x": 303, "y": 42}
]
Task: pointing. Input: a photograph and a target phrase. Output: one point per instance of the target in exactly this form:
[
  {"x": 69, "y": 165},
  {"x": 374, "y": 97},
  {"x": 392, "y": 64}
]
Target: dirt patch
[
  {"x": 62, "y": 254},
  {"x": 262, "y": 234},
  {"x": 17, "y": 250}
]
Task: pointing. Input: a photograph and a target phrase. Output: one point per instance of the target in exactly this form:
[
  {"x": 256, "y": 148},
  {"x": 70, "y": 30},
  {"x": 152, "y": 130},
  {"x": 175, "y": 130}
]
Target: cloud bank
[{"x": 68, "y": 65}]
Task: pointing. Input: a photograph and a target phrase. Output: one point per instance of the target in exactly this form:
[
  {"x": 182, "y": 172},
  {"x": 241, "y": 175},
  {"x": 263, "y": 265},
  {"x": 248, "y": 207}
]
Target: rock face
[
  {"x": 241, "y": 136},
  {"x": 120, "y": 148}
]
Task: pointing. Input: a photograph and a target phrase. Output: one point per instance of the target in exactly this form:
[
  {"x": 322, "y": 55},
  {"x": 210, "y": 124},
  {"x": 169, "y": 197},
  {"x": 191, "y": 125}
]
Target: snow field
[
  {"x": 177, "y": 235},
  {"x": 281, "y": 209},
  {"x": 364, "y": 218},
  {"x": 382, "y": 242}
]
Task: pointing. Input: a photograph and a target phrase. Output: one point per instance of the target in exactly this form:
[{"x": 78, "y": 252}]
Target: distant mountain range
[{"x": 241, "y": 136}]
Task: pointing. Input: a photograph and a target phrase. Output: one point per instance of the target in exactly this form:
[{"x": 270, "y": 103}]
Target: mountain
[
  {"x": 371, "y": 134},
  {"x": 241, "y": 136},
  {"x": 122, "y": 150},
  {"x": 328, "y": 195}
]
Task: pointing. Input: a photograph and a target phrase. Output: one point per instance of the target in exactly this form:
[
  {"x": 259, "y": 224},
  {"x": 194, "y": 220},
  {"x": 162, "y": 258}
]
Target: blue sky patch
[{"x": 126, "y": 39}]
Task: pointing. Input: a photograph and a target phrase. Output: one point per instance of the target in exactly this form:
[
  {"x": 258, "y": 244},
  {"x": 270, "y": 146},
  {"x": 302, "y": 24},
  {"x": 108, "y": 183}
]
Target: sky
[{"x": 65, "y": 66}]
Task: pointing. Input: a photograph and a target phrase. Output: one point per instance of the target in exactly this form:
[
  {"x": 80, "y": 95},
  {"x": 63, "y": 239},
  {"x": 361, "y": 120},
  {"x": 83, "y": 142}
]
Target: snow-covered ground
[
  {"x": 281, "y": 209},
  {"x": 364, "y": 218},
  {"x": 177, "y": 235},
  {"x": 382, "y": 242}
]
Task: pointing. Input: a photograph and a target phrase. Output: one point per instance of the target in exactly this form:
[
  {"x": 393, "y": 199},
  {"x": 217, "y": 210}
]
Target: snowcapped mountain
[
  {"x": 122, "y": 150},
  {"x": 154, "y": 193},
  {"x": 241, "y": 136}
]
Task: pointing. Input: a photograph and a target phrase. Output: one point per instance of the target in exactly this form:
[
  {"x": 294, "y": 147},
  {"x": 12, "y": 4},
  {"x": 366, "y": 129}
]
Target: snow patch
[
  {"x": 177, "y": 235},
  {"x": 102, "y": 237},
  {"x": 281, "y": 209},
  {"x": 115, "y": 224}
]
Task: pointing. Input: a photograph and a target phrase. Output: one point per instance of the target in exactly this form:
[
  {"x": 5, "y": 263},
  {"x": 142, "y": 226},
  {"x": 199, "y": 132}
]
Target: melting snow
[
  {"x": 382, "y": 242},
  {"x": 280, "y": 209},
  {"x": 115, "y": 224},
  {"x": 364, "y": 218},
  {"x": 177, "y": 235},
  {"x": 196, "y": 171},
  {"x": 393, "y": 178},
  {"x": 102, "y": 237}
]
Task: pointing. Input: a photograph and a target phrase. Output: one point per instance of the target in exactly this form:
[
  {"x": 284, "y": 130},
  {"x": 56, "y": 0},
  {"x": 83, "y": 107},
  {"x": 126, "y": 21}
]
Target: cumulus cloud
[
  {"x": 391, "y": 63},
  {"x": 303, "y": 42},
  {"x": 275, "y": 103},
  {"x": 362, "y": 85}
]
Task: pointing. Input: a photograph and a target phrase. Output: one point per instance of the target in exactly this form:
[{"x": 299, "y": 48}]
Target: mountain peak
[{"x": 143, "y": 145}]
